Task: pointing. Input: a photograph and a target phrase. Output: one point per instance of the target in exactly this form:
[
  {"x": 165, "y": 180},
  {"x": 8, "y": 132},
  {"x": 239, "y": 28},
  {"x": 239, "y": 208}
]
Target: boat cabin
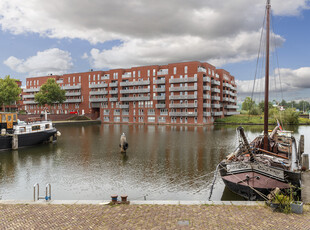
[{"x": 7, "y": 120}]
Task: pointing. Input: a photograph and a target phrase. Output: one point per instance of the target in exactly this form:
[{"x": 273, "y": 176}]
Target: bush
[
  {"x": 255, "y": 110},
  {"x": 78, "y": 118}
]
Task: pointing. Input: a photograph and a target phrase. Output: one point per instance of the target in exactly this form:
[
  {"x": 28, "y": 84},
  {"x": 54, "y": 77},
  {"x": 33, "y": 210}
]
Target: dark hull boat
[
  {"x": 16, "y": 134},
  {"x": 270, "y": 161}
]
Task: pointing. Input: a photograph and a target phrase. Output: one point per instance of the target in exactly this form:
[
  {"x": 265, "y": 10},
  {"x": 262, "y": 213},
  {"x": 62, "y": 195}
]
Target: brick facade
[{"x": 179, "y": 93}]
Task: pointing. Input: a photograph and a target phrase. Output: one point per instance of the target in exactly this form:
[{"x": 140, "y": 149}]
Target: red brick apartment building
[{"x": 179, "y": 93}]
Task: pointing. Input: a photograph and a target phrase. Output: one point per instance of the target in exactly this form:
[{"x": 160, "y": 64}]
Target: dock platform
[{"x": 305, "y": 187}]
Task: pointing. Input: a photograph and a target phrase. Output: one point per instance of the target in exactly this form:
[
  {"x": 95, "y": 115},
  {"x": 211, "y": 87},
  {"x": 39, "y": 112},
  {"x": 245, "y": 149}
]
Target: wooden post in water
[{"x": 15, "y": 141}]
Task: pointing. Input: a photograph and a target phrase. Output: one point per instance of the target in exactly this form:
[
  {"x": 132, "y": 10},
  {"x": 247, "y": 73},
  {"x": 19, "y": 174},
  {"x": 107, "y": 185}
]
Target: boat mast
[{"x": 267, "y": 77}]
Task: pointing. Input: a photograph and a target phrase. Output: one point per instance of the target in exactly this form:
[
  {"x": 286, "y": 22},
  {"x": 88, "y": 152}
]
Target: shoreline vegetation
[{"x": 245, "y": 119}]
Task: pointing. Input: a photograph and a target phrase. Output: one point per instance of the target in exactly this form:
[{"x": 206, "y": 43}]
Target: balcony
[
  {"x": 206, "y": 96},
  {"x": 185, "y": 88},
  {"x": 28, "y": 96},
  {"x": 217, "y": 114},
  {"x": 126, "y": 75},
  {"x": 92, "y": 86},
  {"x": 206, "y": 114},
  {"x": 233, "y": 94},
  {"x": 68, "y": 87},
  {"x": 215, "y": 98},
  {"x": 206, "y": 79},
  {"x": 162, "y": 72},
  {"x": 160, "y": 106},
  {"x": 32, "y": 90},
  {"x": 182, "y": 97},
  {"x": 206, "y": 88},
  {"x": 202, "y": 69},
  {"x": 159, "y": 81},
  {"x": 231, "y": 113},
  {"x": 98, "y": 99},
  {"x": 215, "y": 82},
  {"x": 133, "y": 83},
  {"x": 29, "y": 102},
  {"x": 226, "y": 99},
  {"x": 226, "y": 92},
  {"x": 206, "y": 105},
  {"x": 135, "y": 98},
  {"x": 95, "y": 105},
  {"x": 215, "y": 90},
  {"x": 159, "y": 98},
  {"x": 113, "y": 91},
  {"x": 124, "y": 106},
  {"x": 113, "y": 84},
  {"x": 146, "y": 90},
  {"x": 159, "y": 90},
  {"x": 100, "y": 92},
  {"x": 216, "y": 106},
  {"x": 73, "y": 100},
  {"x": 72, "y": 94},
  {"x": 231, "y": 106},
  {"x": 113, "y": 99},
  {"x": 183, "y": 114},
  {"x": 183, "y": 105},
  {"x": 227, "y": 85},
  {"x": 163, "y": 113},
  {"x": 181, "y": 80}
]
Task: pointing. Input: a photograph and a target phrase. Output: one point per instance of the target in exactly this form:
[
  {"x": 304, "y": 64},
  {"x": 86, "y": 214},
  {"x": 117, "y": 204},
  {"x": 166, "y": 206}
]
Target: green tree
[
  {"x": 9, "y": 91},
  {"x": 50, "y": 93},
  {"x": 248, "y": 104},
  {"x": 255, "y": 110},
  {"x": 262, "y": 106}
]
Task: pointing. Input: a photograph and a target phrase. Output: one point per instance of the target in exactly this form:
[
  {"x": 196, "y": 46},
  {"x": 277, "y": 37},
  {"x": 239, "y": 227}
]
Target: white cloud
[
  {"x": 49, "y": 61},
  {"x": 151, "y": 31},
  {"x": 291, "y": 80}
]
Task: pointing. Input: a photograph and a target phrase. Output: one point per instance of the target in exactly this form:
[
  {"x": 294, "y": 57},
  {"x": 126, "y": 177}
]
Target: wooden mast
[{"x": 267, "y": 78}]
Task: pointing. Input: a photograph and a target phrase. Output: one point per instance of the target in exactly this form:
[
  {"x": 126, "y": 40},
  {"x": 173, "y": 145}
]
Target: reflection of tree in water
[{"x": 124, "y": 157}]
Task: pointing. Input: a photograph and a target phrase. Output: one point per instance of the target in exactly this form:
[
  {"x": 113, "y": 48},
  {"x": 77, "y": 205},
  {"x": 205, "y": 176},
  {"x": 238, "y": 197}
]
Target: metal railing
[{"x": 48, "y": 192}]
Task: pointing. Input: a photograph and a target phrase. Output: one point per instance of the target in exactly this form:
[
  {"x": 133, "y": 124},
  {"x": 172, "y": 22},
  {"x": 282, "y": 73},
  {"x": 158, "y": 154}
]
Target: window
[
  {"x": 134, "y": 73},
  {"x": 47, "y": 126},
  {"x": 148, "y": 72},
  {"x": 79, "y": 78},
  {"x": 73, "y": 79},
  {"x": 174, "y": 70},
  {"x": 69, "y": 79},
  {"x": 185, "y": 69},
  {"x": 94, "y": 77},
  {"x": 139, "y": 73},
  {"x": 35, "y": 127},
  {"x": 154, "y": 72}
]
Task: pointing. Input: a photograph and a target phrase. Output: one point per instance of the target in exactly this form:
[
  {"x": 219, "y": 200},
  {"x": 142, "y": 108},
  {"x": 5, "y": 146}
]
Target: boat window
[
  {"x": 9, "y": 118},
  {"x": 14, "y": 117},
  {"x": 3, "y": 118},
  {"x": 36, "y": 127},
  {"x": 47, "y": 126},
  {"x": 22, "y": 129}
]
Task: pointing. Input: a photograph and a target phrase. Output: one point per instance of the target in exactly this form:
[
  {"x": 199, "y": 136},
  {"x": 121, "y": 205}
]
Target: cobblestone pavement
[{"x": 52, "y": 216}]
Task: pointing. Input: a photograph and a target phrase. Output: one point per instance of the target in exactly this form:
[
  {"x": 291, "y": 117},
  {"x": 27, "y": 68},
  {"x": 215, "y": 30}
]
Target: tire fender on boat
[{"x": 58, "y": 134}]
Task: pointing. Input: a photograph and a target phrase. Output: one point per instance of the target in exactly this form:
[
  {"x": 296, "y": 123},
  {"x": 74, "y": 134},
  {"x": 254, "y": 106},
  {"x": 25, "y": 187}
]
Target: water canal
[{"x": 162, "y": 162}]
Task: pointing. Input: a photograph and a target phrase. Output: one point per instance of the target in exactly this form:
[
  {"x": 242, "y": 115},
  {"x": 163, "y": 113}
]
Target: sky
[{"x": 41, "y": 37}]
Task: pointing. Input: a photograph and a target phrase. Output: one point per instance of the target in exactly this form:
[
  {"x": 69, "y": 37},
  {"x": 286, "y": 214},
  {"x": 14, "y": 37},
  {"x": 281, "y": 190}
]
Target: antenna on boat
[{"x": 267, "y": 77}]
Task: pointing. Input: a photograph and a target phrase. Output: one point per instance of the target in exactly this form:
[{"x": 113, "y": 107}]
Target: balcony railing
[
  {"x": 231, "y": 106},
  {"x": 159, "y": 98},
  {"x": 113, "y": 91},
  {"x": 184, "y": 88},
  {"x": 73, "y": 101},
  {"x": 67, "y": 87},
  {"x": 29, "y": 102},
  {"x": 202, "y": 69},
  {"x": 231, "y": 113},
  {"x": 216, "y": 106},
  {"x": 123, "y": 91},
  {"x": 183, "y": 114},
  {"x": 206, "y": 105},
  {"x": 160, "y": 106},
  {"x": 159, "y": 90},
  {"x": 215, "y": 82},
  {"x": 206, "y": 114},
  {"x": 162, "y": 72},
  {"x": 180, "y": 80},
  {"x": 100, "y": 92},
  {"x": 98, "y": 86},
  {"x": 126, "y": 75},
  {"x": 95, "y": 105},
  {"x": 113, "y": 84},
  {"x": 32, "y": 90},
  {"x": 28, "y": 96},
  {"x": 182, "y": 97},
  {"x": 206, "y": 87},
  {"x": 135, "y": 99},
  {"x": 133, "y": 83},
  {"x": 215, "y": 98},
  {"x": 215, "y": 90},
  {"x": 124, "y": 106},
  {"x": 159, "y": 81},
  {"x": 183, "y": 105},
  {"x": 206, "y": 96},
  {"x": 113, "y": 99},
  {"x": 206, "y": 79},
  {"x": 216, "y": 114},
  {"x": 68, "y": 94},
  {"x": 99, "y": 99}
]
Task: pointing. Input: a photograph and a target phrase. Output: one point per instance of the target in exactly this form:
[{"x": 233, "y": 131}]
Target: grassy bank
[{"x": 253, "y": 120}]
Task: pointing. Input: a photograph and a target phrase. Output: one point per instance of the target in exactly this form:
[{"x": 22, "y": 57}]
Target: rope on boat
[{"x": 214, "y": 179}]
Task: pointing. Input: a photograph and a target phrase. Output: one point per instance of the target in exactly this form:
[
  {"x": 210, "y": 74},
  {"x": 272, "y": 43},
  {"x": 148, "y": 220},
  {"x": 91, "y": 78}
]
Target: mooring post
[{"x": 15, "y": 141}]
